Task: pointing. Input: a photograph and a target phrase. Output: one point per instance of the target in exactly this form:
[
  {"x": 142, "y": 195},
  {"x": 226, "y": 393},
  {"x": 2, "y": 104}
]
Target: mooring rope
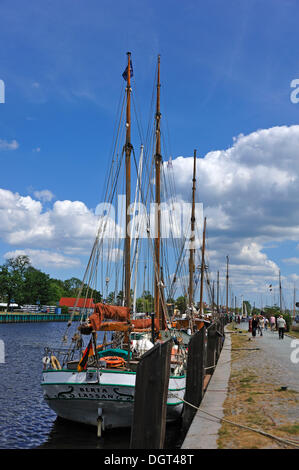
[{"x": 284, "y": 441}]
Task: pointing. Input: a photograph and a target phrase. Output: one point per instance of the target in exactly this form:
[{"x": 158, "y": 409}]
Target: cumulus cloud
[
  {"x": 25, "y": 224},
  {"x": 250, "y": 194},
  {"x": 44, "y": 258}
]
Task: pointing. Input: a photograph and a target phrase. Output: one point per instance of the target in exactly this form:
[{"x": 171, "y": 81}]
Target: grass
[
  {"x": 254, "y": 401},
  {"x": 291, "y": 429},
  {"x": 294, "y": 333}
]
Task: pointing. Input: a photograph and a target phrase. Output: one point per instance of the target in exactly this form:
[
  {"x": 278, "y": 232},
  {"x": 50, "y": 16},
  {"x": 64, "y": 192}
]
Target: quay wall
[{"x": 35, "y": 317}]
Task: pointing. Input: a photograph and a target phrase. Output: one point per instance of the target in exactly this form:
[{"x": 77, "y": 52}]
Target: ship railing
[{"x": 58, "y": 357}]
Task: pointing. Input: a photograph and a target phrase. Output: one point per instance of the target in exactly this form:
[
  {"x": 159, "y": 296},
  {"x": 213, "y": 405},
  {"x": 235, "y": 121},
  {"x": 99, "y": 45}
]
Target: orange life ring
[{"x": 113, "y": 361}]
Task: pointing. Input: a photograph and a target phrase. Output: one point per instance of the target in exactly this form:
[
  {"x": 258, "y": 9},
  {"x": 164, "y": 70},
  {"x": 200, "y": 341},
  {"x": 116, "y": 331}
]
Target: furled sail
[{"x": 119, "y": 319}]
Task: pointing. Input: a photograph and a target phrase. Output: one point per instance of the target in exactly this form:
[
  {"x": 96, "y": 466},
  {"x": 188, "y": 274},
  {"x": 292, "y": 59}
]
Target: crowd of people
[{"x": 259, "y": 323}]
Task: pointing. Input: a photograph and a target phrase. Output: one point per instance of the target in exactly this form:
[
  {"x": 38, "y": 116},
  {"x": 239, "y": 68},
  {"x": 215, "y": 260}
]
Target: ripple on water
[{"x": 25, "y": 419}]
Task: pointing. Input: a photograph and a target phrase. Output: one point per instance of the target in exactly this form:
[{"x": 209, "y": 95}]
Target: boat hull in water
[{"x": 86, "y": 397}]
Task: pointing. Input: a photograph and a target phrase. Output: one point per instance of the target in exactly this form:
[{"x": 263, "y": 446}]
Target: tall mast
[
  {"x": 294, "y": 304},
  {"x": 227, "y": 284},
  {"x": 192, "y": 237},
  {"x": 217, "y": 291},
  {"x": 128, "y": 148},
  {"x": 202, "y": 267},
  {"x": 158, "y": 160},
  {"x": 280, "y": 296}
]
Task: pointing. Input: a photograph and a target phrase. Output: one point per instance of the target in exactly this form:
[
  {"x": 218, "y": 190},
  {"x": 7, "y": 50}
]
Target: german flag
[{"x": 87, "y": 353}]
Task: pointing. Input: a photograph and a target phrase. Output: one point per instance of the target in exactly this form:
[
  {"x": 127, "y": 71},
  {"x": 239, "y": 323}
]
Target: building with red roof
[{"x": 71, "y": 301}]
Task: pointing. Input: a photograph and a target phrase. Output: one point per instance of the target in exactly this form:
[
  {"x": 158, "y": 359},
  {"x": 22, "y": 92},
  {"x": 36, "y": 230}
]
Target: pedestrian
[
  {"x": 266, "y": 323},
  {"x": 261, "y": 324},
  {"x": 281, "y": 324},
  {"x": 254, "y": 325},
  {"x": 272, "y": 323}
]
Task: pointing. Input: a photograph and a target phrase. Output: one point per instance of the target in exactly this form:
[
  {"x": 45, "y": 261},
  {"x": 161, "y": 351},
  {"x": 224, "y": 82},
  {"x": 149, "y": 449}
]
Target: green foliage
[
  {"x": 272, "y": 311},
  {"x": 12, "y": 279},
  {"x": 22, "y": 283},
  {"x": 36, "y": 287},
  {"x": 64, "y": 310},
  {"x": 275, "y": 311},
  {"x": 255, "y": 311},
  {"x": 288, "y": 320},
  {"x": 111, "y": 298},
  {"x": 248, "y": 306},
  {"x": 181, "y": 303},
  {"x": 145, "y": 304}
]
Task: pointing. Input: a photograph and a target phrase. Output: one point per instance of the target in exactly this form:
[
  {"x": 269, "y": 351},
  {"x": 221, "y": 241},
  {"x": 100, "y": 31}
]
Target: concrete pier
[{"x": 203, "y": 432}]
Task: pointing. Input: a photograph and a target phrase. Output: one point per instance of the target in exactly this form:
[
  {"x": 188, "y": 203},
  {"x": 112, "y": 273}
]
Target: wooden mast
[
  {"x": 128, "y": 148},
  {"x": 217, "y": 291},
  {"x": 294, "y": 304},
  {"x": 280, "y": 295},
  {"x": 227, "y": 285},
  {"x": 192, "y": 237},
  {"x": 158, "y": 160},
  {"x": 202, "y": 267}
]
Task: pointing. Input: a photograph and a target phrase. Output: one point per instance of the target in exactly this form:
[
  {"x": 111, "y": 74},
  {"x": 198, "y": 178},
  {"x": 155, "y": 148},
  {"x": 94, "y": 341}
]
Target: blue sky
[{"x": 226, "y": 70}]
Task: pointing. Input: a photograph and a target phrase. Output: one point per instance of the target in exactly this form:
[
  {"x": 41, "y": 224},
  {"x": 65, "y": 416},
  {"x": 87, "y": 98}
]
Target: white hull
[{"x": 85, "y": 396}]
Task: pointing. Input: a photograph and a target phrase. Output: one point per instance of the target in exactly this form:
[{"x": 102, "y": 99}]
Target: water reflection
[{"x": 68, "y": 435}]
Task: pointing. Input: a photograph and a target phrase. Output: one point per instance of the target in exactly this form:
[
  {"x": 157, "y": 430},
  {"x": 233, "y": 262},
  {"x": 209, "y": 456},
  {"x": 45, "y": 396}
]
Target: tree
[
  {"x": 36, "y": 287},
  {"x": 275, "y": 311},
  {"x": 72, "y": 286},
  {"x": 181, "y": 303},
  {"x": 145, "y": 304},
  {"x": 24, "y": 284},
  {"x": 248, "y": 306},
  {"x": 56, "y": 291},
  {"x": 120, "y": 298},
  {"x": 111, "y": 298},
  {"x": 12, "y": 278}
]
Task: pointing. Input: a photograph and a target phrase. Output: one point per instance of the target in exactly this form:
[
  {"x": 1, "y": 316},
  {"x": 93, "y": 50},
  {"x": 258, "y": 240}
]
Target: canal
[{"x": 26, "y": 421}]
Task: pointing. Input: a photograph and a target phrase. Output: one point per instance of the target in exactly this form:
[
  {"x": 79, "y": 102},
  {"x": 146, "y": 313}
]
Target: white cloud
[
  {"x": 5, "y": 145},
  {"x": 293, "y": 260},
  {"x": 250, "y": 194},
  {"x": 66, "y": 224},
  {"x": 43, "y": 258},
  {"x": 45, "y": 195}
]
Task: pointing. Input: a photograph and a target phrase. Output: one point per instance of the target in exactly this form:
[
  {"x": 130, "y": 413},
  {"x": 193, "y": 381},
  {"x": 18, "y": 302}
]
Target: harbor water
[{"x": 26, "y": 422}]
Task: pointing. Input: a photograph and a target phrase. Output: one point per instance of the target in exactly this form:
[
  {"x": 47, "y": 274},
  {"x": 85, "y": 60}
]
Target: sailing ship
[{"x": 91, "y": 382}]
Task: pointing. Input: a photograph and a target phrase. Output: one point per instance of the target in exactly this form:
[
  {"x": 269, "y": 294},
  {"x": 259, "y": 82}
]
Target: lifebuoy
[
  {"x": 55, "y": 363},
  {"x": 113, "y": 361}
]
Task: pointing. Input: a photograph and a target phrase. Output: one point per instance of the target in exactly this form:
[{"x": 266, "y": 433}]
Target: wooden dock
[{"x": 35, "y": 317}]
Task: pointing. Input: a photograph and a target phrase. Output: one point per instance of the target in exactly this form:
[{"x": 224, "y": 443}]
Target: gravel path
[
  {"x": 276, "y": 354},
  {"x": 260, "y": 367}
]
